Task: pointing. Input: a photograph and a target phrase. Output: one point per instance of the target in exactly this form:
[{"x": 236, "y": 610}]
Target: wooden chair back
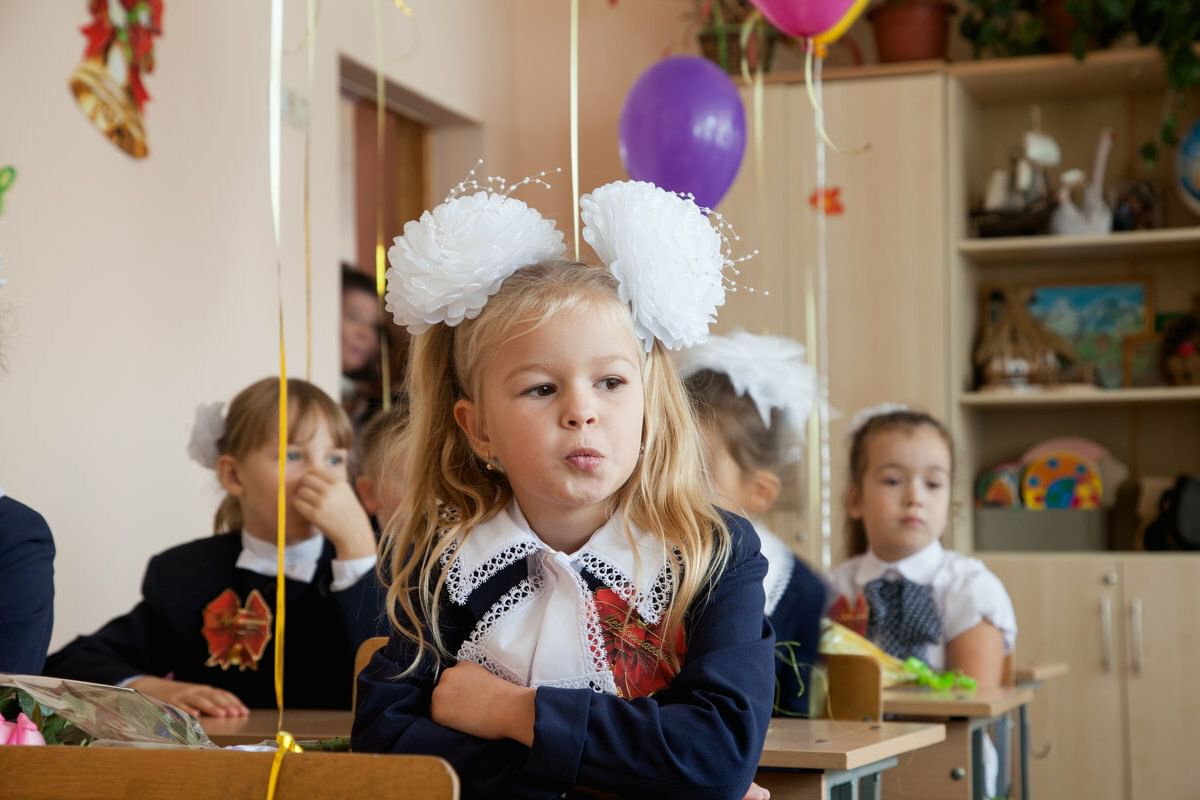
[
  {"x": 855, "y": 688},
  {"x": 363, "y": 657}
]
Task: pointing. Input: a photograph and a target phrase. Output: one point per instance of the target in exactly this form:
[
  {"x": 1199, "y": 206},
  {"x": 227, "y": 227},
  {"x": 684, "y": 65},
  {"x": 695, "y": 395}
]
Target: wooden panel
[
  {"x": 1163, "y": 702},
  {"x": 886, "y": 253},
  {"x": 1078, "y": 722},
  {"x": 855, "y": 687},
  {"x": 930, "y": 774},
  {"x": 829, "y": 744},
  {"x": 793, "y": 785},
  {"x": 52, "y": 773}
]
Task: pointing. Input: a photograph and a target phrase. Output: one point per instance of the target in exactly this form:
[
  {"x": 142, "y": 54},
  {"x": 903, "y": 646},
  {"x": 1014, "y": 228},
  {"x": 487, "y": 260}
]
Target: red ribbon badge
[
  {"x": 854, "y": 614},
  {"x": 237, "y": 635},
  {"x": 639, "y": 665}
]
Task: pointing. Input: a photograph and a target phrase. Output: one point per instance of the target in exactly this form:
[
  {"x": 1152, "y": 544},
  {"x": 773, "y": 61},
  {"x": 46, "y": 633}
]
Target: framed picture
[
  {"x": 1096, "y": 318},
  {"x": 1140, "y": 361}
]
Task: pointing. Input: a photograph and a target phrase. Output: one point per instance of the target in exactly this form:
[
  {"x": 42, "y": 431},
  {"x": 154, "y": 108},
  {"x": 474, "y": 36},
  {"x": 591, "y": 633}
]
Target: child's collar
[
  {"x": 920, "y": 567},
  {"x": 507, "y": 538}
]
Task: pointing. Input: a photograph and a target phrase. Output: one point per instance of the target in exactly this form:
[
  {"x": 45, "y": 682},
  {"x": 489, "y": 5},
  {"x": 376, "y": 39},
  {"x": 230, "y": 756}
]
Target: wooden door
[
  {"x": 1162, "y": 663},
  {"x": 886, "y": 250},
  {"x": 1069, "y": 609}
]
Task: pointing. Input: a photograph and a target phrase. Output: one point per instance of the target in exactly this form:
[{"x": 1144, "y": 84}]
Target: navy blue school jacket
[
  {"x": 165, "y": 631},
  {"x": 26, "y": 588},
  {"x": 797, "y": 618},
  {"x": 701, "y": 737}
]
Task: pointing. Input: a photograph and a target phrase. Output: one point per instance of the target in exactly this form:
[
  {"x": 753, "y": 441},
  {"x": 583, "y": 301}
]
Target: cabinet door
[
  {"x": 1069, "y": 609},
  {"x": 886, "y": 248},
  {"x": 1162, "y": 608}
]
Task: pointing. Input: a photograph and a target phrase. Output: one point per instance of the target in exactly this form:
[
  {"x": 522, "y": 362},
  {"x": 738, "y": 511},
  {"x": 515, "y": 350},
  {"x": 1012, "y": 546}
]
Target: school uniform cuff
[
  {"x": 347, "y": 573},
  {"x": 560, "y": 725}
]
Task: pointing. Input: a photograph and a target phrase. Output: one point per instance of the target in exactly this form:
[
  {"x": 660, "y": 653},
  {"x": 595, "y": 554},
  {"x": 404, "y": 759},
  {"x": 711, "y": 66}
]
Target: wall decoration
[
  {"x": 108, "y": 84},
  {"x": 1095, "y": 318},
  {"x": 831, "y": 198}
]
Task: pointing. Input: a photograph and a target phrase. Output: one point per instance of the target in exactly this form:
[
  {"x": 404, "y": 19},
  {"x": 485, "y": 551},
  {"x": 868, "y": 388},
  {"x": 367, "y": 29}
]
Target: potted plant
[
  {"x": 1002, "y": 28},
  {"x": 720, "y": 24},
  {"x": 911, "y": 30}
]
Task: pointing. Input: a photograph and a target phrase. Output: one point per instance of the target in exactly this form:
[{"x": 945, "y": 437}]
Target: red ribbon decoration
[{"x": 136, "y": 39}]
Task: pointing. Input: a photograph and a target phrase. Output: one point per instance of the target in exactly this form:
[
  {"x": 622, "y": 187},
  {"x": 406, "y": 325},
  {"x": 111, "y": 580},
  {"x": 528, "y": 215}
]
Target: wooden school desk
[
  {"x": 941, "y": 773},
  {"x": 821, "y": 759},
  {"x": 1033, "y": 677},
  {"x": 53, "y": 773},
  {"x": 260, "y": 725}
]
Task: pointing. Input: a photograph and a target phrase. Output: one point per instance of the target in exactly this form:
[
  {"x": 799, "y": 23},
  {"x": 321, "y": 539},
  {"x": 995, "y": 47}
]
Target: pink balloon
[{"x": 804, "y": 18}]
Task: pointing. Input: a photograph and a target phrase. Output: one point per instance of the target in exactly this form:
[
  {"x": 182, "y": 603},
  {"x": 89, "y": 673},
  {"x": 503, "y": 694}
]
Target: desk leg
[
  {"x": 1003, "y": 730},
  {"x": 1024, "y": 746},
  {"x": 871, "y": 787},
  {"x": 831, "y": 785},
  {"x": 978, "y": 771}
]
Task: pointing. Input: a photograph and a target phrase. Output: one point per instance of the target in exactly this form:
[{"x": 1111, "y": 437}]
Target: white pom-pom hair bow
[
  {"x": 668, "y": 258},
  {"x": 770, "y": 370},
  {"x": 450, "y": 261},
  {"x": 207, "y": 431}
]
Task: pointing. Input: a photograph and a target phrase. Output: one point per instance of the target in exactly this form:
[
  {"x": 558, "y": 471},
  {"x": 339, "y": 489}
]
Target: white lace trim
[
  {"x": 781, "y": 563},
  {"x": 650, "y": 605},
  {"x": 460, "y": 586},
  {"x": 474, "y": 649}
]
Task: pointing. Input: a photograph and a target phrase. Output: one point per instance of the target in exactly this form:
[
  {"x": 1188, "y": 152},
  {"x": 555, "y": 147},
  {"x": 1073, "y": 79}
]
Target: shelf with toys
[{"x": 1070, "y": 264}]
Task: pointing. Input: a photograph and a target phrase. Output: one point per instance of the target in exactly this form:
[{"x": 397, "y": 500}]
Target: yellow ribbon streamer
[
  {"x": 385, "y": 367},
  {"x": 274, "y": 96},
  {"x": 815, "y": 102},
  {"x": 575, "y": 121},
  {"x": 287, "y": 744}
]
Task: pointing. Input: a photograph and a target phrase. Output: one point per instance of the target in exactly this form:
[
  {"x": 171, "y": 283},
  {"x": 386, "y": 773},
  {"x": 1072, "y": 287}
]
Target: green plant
[
  {"x": 1173, "y": 26},
  {"x": 1002, "y": 28}
]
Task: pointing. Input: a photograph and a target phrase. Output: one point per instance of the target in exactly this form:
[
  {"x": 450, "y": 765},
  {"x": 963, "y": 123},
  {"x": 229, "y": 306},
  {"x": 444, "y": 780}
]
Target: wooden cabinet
[
  {"x": 886, "y": 250},
  {"x": 1162, "y": 632},
  {"x": 1120, "y": 725}
]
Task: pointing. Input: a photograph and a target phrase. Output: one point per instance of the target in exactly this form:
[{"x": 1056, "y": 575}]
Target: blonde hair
[
  {"x": 253, "y": 421},
  {"x": 667, "y": 494}
]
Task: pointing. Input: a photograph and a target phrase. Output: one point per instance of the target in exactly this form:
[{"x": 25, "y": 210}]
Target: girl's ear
[
  {"x": 227, "y": 474},
  {"x": 761, "y": 487},
  {"x": 467, "y": 415},
  {"x": 854, "y": 502}
]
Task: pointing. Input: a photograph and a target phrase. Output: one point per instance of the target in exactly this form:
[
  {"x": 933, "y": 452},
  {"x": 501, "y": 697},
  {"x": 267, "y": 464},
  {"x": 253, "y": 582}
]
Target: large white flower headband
[
  {"x": 668, "y": 258},
  {"x": 770, "y": 370},
  {"x": 207, "y": 431}
]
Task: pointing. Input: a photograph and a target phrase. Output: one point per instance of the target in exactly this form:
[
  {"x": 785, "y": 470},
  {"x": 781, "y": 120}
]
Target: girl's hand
[
  {"x": 195, "y": 698},
  {"x": 756, "y": 792},
  {"x": 331, "y": 506},
  {"x": 472, "y": 700}
]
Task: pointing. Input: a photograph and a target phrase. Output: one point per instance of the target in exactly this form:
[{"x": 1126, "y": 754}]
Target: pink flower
[{"x": 21, "y": 732}]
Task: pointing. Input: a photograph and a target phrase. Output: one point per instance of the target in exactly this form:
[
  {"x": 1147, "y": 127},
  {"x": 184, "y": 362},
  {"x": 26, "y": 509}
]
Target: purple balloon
[{"x": 683, "y": 128}]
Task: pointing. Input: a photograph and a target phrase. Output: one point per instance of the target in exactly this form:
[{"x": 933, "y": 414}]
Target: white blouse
[{"x": 965, "y": 591}]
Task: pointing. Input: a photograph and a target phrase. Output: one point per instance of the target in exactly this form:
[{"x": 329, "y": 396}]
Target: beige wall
[{"x": 138, "y": 289}]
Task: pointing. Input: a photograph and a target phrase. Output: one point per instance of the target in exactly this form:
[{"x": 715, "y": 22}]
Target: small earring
[
  {"x": 488, "y": 466},
  {"x": 642, "y": 450}
]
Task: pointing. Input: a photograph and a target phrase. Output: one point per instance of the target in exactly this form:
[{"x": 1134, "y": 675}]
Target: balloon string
[
  {"x": 575, "y": 121},
  {"x": 275, "y": 110},
  {"x": 385, "y": 367},
  {"x": 308, "y": 301},
  {"x": 822, "y": 321},
  {"x": 814, "y": 100}
]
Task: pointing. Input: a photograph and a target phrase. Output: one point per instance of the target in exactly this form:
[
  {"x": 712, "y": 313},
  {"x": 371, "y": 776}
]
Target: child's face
[
  {"x": 904, "y": 498},
  {"x": 562, "y": 412},
  {"x": 257, "y": 479},
  {"x": 360, "y": 325}
]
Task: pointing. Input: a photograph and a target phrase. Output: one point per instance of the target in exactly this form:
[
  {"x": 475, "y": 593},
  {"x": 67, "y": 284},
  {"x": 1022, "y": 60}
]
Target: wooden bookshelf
[{"x": 1169, "y": 243}]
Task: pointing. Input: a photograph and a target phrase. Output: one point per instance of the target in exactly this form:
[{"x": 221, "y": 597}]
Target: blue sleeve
[
  {"x": 701, "y": 737},
  {"x": 125, "y": 646},
  {"x": 797, "y": 623},
  {"x": 362, "y": 608},
  {"x": 391, "y": 715},
  {"x": 26, "y": 588}
]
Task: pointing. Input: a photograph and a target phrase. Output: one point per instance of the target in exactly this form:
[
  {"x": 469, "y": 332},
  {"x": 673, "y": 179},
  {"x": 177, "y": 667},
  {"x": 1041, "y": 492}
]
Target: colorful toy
[
  {"x": 999, "y": 487},
  {"x": 1061, "y": 480}
]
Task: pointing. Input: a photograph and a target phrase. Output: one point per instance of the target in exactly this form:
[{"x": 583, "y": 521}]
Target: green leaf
[{"x": 1149, "y": 153}]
